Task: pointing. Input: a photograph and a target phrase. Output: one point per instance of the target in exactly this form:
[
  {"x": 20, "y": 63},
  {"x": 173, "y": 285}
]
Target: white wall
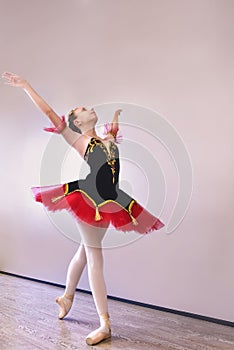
[{"x": 175, "y": 57}]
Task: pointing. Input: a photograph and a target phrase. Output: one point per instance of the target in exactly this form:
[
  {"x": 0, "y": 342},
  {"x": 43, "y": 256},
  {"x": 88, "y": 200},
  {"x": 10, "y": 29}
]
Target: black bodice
[{"x": 101, "y": 184}]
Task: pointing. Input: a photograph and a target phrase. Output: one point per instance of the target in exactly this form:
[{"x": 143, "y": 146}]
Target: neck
[{"x": 90, "y": 132}]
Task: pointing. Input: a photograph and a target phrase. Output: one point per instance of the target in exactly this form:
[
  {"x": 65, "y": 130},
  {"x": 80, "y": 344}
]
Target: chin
[{"x": 94, "y": 117}]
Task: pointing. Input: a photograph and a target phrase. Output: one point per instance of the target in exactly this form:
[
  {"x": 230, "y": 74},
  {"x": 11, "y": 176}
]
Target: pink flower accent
[
  {"x": 116, "y": 133},
  {"x": 59, "y": 128}
]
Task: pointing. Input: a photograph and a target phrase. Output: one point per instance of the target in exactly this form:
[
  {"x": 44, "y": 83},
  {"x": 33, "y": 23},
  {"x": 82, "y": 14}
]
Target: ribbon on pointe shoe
[{"x": 101, "y": 333}]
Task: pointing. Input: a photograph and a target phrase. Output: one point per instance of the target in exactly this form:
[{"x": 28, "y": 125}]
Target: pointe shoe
[
  {"x": 102, "y": 333},
  {"x": 65, "y": 304}
]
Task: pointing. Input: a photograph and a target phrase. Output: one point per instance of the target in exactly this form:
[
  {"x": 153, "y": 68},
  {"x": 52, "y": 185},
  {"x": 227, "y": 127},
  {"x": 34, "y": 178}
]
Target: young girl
[{"x": 96, "y": 201}]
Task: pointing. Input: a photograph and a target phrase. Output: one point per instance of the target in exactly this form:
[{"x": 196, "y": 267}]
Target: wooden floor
[{"x": 28, "y": 321}]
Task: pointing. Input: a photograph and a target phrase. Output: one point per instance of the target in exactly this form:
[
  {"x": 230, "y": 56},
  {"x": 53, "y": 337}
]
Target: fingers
[
  {"x": 8, "y": 80},
  {"x": 8, "y": 74},
  {"x": 11, "y": 78},
  {"x": 118, "y": 111}
]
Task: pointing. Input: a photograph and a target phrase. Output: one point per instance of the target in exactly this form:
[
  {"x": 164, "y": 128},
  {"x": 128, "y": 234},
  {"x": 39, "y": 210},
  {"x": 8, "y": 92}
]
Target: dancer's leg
[
  {"x": 75, "y": 270},
  {"x": 92, "y": 240},
  {"x": 74, "y": 273}
]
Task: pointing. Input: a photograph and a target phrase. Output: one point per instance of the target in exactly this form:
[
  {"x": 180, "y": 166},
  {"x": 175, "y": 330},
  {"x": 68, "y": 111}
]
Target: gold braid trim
[
  {"x": 110, "y": 154},
  {"x": 134, "y": 221},
  {"x": 53, "y": 200},
  {"x": 66, "y": 189},
  {"x": 98, "y": 217}
]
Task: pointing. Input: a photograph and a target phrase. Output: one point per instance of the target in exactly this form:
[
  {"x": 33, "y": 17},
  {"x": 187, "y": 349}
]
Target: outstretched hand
[{"x": 14, "y": 80}]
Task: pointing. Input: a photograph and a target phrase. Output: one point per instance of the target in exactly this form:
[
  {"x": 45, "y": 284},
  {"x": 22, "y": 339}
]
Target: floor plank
[{"x": 29, "y": 322}]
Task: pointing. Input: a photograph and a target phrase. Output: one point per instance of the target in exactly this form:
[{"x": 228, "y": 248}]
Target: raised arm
[
  {"x": 75, "y": 139},
  {"x": 17, "y": 81},
  {"x": 115, "y": 121}
]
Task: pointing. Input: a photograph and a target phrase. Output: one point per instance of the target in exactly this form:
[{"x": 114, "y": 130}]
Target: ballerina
[{"x": 96, "y": 202}]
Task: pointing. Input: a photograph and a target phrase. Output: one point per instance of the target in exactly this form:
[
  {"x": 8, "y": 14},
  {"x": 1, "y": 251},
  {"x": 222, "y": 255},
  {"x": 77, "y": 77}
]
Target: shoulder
[
  {"x": 76, "y": 140},
  {"x": 109, "y": 137}
]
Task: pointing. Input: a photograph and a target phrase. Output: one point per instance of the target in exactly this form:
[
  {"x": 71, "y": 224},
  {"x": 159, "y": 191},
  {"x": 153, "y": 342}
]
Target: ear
[{"x": 77, "y": 123}]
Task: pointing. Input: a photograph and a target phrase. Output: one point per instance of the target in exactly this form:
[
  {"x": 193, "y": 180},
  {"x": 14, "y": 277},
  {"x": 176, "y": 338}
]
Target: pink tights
[{"x": 90, "y": 253}]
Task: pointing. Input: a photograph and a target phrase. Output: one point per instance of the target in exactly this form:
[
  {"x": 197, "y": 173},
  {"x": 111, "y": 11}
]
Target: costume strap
[{"x": 59, "y": 128}]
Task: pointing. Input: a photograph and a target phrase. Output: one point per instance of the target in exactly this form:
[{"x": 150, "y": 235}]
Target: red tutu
[
  {"x": 97, "y": 200},
  {"x": 80, "y": 204}
]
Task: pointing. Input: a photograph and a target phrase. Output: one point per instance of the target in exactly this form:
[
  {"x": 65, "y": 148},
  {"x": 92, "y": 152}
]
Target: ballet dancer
[{"x": 96, "y": 202}]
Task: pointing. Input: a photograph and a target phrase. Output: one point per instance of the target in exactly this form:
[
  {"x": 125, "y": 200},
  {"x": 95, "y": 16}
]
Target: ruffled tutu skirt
[{"x": 80, "y": 204}]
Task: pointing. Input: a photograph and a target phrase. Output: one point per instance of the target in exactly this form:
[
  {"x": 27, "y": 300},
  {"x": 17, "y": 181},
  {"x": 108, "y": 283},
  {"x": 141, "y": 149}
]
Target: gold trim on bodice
[
  {"x": 110, "y": 155},
  {"x": 97, "y": 214}
]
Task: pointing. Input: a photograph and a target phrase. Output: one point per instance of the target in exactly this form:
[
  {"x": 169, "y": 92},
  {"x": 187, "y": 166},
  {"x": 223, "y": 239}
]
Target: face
[{"x": 85, "y": 117}]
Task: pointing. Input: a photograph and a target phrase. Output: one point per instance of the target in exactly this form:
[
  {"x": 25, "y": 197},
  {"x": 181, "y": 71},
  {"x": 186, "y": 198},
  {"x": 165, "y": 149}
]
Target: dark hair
[{"x": 71, "y": 118}]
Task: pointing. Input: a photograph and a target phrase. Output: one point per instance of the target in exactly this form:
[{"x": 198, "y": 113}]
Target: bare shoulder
[
  {"x": 81, "y": 144},
  {"x": 78, "y": 141},
  {"x": 109, "y": 137}
]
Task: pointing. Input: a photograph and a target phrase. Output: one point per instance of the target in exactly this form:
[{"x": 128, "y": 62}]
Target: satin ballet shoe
[
  {"x": 102, "y": 333},
  {"x": 65, "y": 304}
]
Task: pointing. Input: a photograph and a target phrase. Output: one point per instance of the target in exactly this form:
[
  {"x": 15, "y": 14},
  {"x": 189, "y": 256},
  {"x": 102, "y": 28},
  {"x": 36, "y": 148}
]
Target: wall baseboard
[{"x": 155, "y": 307}]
